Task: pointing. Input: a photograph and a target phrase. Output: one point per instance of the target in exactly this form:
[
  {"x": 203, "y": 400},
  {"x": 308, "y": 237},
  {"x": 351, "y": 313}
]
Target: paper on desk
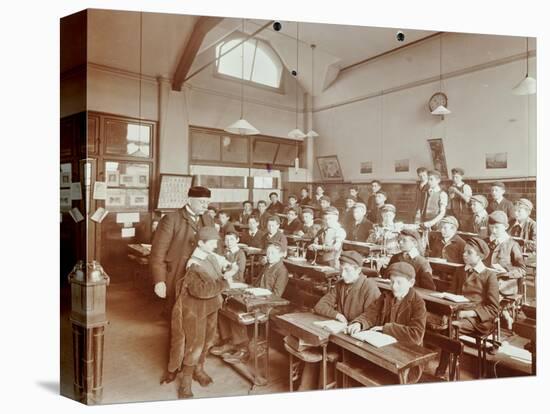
[
  {"x": 333, "y": 326},
  {"x": 450, "y": 296},
  {"x": 258, "y": 291},
  {"x": 377, "y": 339}
]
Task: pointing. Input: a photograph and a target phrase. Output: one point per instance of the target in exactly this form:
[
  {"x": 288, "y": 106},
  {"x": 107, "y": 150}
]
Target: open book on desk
[
  {"x": 375, "y": 338},
  {"x": 450, "y": 296},
  {"x": 332, "y": 325}
]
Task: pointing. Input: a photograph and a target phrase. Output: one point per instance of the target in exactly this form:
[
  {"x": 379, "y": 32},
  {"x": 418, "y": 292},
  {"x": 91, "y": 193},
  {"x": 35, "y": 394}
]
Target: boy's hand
[
  {"x": 341, "y": 318},
  {"x": 160, "y": 289},
  {"x": 353, "y": 328}
]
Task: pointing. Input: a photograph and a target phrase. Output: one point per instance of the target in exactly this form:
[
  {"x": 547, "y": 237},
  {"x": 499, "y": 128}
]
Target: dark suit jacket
[
  {"x": 173, "y": 243},
  {"x": 481, "y": 289},
  {"x": 452, "y": 251},
  {"x": 408, "y": 323},
  {"x": 349, "y": 300},
  {"x": 274, "y": 277},
  {"x": 421, "y": 266}
]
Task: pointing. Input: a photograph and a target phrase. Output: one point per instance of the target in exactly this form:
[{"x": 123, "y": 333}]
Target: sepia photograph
[{"x": 255, "y": 257}]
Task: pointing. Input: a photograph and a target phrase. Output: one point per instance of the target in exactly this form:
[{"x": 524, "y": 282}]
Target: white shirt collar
[{"x": 479, "y": 267}]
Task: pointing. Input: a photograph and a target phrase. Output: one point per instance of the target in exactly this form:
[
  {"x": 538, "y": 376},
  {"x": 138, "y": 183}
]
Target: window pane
[{"x": 126, "y": 138}]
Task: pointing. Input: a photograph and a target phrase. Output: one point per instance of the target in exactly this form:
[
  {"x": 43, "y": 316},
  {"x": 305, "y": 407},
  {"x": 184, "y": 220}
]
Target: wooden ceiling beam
[{"x": 202, "y": 26}]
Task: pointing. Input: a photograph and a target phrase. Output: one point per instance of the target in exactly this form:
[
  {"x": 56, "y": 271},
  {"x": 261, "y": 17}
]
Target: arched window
[{"x": 261, "y": 63}]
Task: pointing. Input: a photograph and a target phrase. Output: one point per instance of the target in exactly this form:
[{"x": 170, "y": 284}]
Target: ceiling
[{"x": 114, "y": 41}]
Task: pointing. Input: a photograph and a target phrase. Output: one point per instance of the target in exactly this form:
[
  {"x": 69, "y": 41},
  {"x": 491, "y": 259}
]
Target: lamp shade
[
  {"x": 242, "y": 127},
  {"x": 312, "y": 134},
  {"x": 441, "y": 110},
  {"x": 528, "y": 86},
  {"x": 296, "y": 134}
]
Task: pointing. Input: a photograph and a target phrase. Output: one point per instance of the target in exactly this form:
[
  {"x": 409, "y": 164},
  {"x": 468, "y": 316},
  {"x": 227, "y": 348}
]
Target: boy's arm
[{"x": 414, "y": 330}]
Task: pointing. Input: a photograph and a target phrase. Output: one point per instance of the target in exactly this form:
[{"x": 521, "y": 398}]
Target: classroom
[{"x": 262, "y": 206}]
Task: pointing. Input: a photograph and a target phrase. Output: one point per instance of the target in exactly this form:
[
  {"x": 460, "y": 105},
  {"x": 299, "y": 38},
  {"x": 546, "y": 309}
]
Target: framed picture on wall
[
  {"x": 438, "y": 156},
  {"x": 330, "y": 168}
]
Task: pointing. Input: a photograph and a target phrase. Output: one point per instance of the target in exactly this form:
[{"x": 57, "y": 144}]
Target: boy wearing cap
[
  {"x": 371, "y": 200},
  {"x": 174, "y": 242},
  {"x": 305, "y": 199},
  {"x": 253, "y": 237},
  {"x": 351, "y": 296},
  {"x": 309, "y": 227},
  {"x": 410, "y": 243},
  {"x": 434, "y": 202},
  {"x": 480, "y": 286},
  {"x": 387, "y": 232},
  {"x": 274, "y": 277},
  {"x": 459, "y": 199},
  {"x": 234, "y": 254},
  {"x": 195, "y": 311},
  {"x": 499, "y": 202},
  {"x": 480, "y": 221},
  {"x": 401, "y": 314},
  {"x": 359, "y": 227},
  {"x": 263, "y": 214},
  {"x": 524, "y": 227},
  {"x": 246, "y": 213},
  {"x": 276, "y": 207},
  {"x": 274, "y": 234},
  {"x": 447, "y": 244},
  {"x": 292, "y": 223},
  {"x": 329, "y": 241},
  {"x": 375, "y": 207}
]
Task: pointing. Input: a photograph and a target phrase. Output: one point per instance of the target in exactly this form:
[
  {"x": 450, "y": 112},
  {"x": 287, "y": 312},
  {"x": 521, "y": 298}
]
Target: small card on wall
[
  {"x": 99, "y": 215},
  {"x": 76, "y": 191},
  {"x": 76, "y": 214},
  {"x": 100, "y": 190},
  {"x": 128, "y": 232}
]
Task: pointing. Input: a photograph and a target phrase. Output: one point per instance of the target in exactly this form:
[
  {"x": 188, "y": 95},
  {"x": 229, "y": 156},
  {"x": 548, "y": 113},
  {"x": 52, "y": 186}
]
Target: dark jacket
[
  {"x": 253, "y": 241},
  {"x": 349, "y": 300},
  {"x": 481, "y": 289},
  {"x": 408, "y": 323},
  {"x": 452, "y": 251},
  {"x": 505, "y": 205},
  {"x": 421, "y": 267},
  {"x": 274, "y": 277},
  {"x": 359, "y": 232},
  {"x": 527, "y": 232}
]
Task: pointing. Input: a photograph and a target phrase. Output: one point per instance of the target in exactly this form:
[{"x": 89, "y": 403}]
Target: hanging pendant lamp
[
  {"x": 296, "y": 133},
  {"x": 242, "y": 126},
  {"x": 528, "y": 86},
  {"x": 441, "y": 109},
  {"x": 311, "y": 133}
]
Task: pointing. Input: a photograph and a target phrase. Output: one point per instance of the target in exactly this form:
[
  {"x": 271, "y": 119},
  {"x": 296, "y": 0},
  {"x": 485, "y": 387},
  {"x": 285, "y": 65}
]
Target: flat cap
[
  {"x": 498, "y": 217},
  {"x": 388, "y": 207},
  {"x": 499, "y": 184},
  {"x": 208, "y": 233},
  {"x": 331, "y": 211},
  {"x": 199, "y": 192},
  {"x": 360, "y": 205},
  {"x": 479, "y": 245},
  {"x": 352, "y": 257},
  {"x": 411, "y": 233},
  {"x": 401, "y": 269},
  {"x": 459, "y": 171},
  {"x": 481, "y": 199},
  {"x": 449, "y": 219},
  {"x": 523, "y": 202}
]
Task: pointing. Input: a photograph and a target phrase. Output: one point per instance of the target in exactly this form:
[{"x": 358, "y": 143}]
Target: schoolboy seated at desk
[
  {"x": 375, "y": 212},
  {"x": 233, "y": 336},
  {"x": 329, "y": 241},
  {"x": 309, "y": 227},
  {"x": 234, "y": 254},
  {"x": 446, "y": 243},
  {"x": 434, "y": 203},
  {"x": 505, "y": 256},
  {"x": 499, "y": 202},
  {"x": 274, "y": 234},
  {"x": 401, "y": 314},
  {"x": 262, "y": 214},
  {"x": 410, "y": 243},
  {"x": 359, "y": 228},
  {"x": 480, "y": 286},
  {"x": 480, "y": 219},
  {"x": 524, "y": 226},
  {"x": 352, "y": 295},
  {"x": 253, "y": 236},
  {"x": 276, "y": 207},
  {"x": 292, "y": 223},
  {"x": 386, "y": 233},
  {"x": 293, "y": 203},
  {"x": 246, "y": 213}
]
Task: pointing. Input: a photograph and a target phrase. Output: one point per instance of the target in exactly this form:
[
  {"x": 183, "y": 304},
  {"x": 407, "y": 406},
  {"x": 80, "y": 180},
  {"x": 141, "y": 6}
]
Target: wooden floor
[{"x": 136, "y": 354}]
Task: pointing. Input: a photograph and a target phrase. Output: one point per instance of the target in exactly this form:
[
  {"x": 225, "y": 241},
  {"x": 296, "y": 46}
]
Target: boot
[
  {"x": 201, "y": 376},
  {"x": 184, "y": 390}
]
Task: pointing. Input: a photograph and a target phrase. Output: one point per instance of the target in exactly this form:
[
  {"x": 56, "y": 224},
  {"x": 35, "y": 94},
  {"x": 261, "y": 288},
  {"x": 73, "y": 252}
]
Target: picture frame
[
  {"x": 330, "y": 169},
  {"x": 439, "y": 160}
]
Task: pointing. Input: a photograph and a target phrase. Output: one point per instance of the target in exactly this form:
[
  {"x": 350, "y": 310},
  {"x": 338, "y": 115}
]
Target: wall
[{"x": 485, "y": 117}]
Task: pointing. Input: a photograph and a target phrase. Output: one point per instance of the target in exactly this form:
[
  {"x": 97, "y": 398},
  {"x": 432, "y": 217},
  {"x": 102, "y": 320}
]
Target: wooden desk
[
  {"x": 398, "y": 358},
  {"x": 258, "y": 309}
]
